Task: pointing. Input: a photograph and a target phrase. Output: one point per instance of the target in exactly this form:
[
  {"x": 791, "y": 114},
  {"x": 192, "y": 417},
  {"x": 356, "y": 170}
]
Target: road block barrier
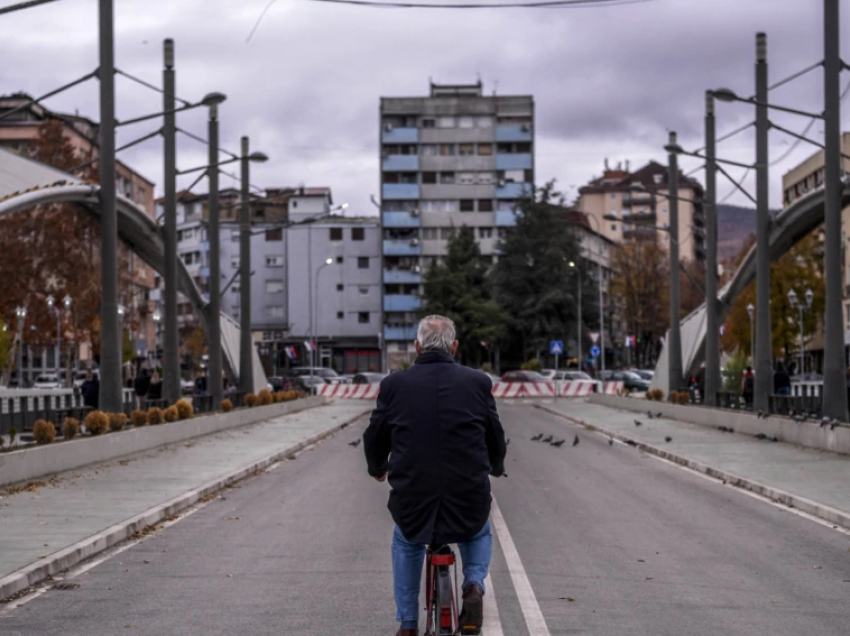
[
  {"x": 576, "y": 388},
  {"x": 613, "y": 388},
  {"x": 350, "y": 391}
]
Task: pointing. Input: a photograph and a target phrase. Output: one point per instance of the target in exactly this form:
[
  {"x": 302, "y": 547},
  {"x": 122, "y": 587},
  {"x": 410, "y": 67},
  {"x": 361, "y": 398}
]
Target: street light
[
  {"x": 328, "y": 261},
  {"x": 21, "y": 313},
  {"x": 601, "y": 303},
  {"x": 792, "y": 299},
  {"x": 578, "y": 342},
  {"x": 751, "y": 311},
  {"x": 51, "y": 306}
]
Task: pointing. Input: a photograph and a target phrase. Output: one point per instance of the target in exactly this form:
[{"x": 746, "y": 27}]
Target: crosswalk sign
[{"x": 556, "y": 347}]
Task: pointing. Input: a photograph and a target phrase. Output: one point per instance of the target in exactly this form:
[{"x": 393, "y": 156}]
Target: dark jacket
[
  {"x": 141, "y": 385},
  {"x": 155, "y": 390},
  {"x": 781, "y": 380},
  {"x": 438, "y": 423},
  {"x": 91, "y": 392}
]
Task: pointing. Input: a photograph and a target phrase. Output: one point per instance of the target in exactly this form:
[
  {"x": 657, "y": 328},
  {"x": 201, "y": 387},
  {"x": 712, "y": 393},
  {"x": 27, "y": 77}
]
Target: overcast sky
[{"x": 607, "y": 81}]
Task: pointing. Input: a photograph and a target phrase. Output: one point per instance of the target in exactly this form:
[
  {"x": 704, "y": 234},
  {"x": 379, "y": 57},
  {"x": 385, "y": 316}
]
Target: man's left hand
[{"x": 382, "y": 477}]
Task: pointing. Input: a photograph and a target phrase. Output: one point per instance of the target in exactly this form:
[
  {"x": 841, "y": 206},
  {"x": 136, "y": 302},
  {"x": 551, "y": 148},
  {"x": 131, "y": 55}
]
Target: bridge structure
[
  {"x": 787, "y": 228},
  {"x": 26, "y": 183}
]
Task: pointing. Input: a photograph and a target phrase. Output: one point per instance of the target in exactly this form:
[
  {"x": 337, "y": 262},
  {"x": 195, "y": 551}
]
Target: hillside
[{"x": 734, "y": 225}]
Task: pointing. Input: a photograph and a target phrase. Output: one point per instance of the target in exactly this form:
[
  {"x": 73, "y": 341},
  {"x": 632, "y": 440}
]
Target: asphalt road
[{"x": 642, "y": 548}]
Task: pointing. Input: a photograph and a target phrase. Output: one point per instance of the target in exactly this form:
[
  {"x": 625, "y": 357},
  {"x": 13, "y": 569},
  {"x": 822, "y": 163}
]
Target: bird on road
[
  {"x": 558, "y": 444},
  {"x": 761, "y": 436},
  {"x": 650, "y": 415},
  {"x": 800, "y": 418},
  {"x": 824, "y": 422},
  {"x": 508, "y": 442},
  {"x": 638, "y": 423},
  {"x": 761, "y": 414},
  {"x": 668, "y": 439},
  {"x": 576, "y": 441},
  {"x": 659, "y": 414},
  {"x": 537, "y": 437},
  {"x": 355, "y": 443},
  {"x": 610, "y": 441},
  {"x": 833, "y": 424},
  {"x": 548, "y": 439}
]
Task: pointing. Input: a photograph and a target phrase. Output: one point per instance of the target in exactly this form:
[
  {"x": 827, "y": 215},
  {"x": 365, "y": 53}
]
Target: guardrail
[
  {"x": 22, "y": 409},
  {"x": 506, "y": 390}
]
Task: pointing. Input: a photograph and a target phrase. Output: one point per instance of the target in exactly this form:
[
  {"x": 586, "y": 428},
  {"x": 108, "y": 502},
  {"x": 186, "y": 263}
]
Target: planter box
[{"x": 41, "y": 461}]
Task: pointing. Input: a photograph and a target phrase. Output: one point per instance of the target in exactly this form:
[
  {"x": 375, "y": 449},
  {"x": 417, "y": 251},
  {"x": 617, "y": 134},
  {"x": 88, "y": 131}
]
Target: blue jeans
[{"x": 408, "y": 560}]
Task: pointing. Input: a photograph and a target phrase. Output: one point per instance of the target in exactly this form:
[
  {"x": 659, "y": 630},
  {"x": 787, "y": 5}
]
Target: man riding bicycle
[{"x": 438, "y": 424}]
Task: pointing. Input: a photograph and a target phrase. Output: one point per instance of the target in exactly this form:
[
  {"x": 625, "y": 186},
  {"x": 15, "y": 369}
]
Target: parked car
[
  {"x": 573, "y": 375},
  {"x": 311, "y": 382},
  {"x": 549, "y": 374},
  {"x": 368, "y": 378},
  {"x": 523, "y": 376},
  {"x": 80, "y": 377},
  {"x": 493, "y": 377},
  {"x": 646, "y": 374},
  {"x": 631, "y": 381},
  {"x": 330, "y": 376},
  {"x": 47, "y": 381}
]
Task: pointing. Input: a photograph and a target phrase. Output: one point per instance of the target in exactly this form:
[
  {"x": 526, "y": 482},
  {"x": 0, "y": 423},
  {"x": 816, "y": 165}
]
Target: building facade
[{"x": 453, "y": 158}]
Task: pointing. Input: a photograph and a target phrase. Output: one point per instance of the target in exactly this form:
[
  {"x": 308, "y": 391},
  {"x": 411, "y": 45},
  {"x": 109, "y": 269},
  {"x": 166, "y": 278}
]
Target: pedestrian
[
  {"x": 781, "y": 380},
  {"x": 154, "y": 388},
  {"x": 91, "y": 391},
  {"x": 748, "y": 385},
  {"x": 201, "y": 384},
  {"x": 141, "y": 386},
  {"x": 436, "y": 435}
]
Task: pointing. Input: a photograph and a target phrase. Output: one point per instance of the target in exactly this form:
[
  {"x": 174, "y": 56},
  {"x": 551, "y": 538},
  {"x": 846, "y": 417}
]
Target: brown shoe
[
  {"x": 472, "y": 615},
  {"x": 407, "y": 632}
]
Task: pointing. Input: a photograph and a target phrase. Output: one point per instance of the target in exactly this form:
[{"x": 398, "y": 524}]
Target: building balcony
[
  {"x": 400, "y": 333},
  {"x": 400, "y": 191},
  {"x": 400, "y": 163},
  {"x": 402, "y": 277},
  {"x": 639, "y": 198},
  {"x": 400, "y": 135},
  {"x": 402, "y": 247},
  {"x": 401, "y": 302},
  {"x": 514, "y": 162},
  {"x": 513, "y": 191},
  {"x": 640, "y": 217},
  {"x": 505, "y": 218},
  {"x": 401, "y": 219},
  {"x": 514, "y": 133}
]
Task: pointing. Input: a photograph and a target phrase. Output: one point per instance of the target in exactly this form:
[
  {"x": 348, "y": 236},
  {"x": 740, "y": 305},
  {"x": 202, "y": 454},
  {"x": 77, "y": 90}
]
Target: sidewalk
[
  {"x": 813, "y": 481},
  {"x": 47, "y": 528}
]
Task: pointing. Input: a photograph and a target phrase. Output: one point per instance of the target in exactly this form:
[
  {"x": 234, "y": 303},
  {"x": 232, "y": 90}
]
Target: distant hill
[{"x": 734, "y": 225}]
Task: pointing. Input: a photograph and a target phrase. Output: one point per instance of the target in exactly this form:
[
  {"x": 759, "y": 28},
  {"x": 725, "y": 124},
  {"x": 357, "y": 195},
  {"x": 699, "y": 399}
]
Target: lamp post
[
  {"x": 21, "y": 313},
  {"x": 51, "y": 306},
  {"x": 712, "y": 327},
  {"x": 792, "y": 299},
  {"x": 674, "y": 344},
  {"x": 578, "y": 302},
  {"x": 66, "y": 303},
  {"x": 751, "y": 311},
  {"x": 328, "y": 261},
  {"x": 214, "y": 238},
  {"x": 601, "y": 303}
]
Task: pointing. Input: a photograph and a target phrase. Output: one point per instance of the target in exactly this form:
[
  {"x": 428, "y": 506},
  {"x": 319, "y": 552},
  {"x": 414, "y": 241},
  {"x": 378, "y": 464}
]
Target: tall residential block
[{"x": 456, "y": 157}]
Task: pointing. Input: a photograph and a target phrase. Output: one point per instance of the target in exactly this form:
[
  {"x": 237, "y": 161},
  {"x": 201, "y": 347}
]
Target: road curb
[
  {"x": 34, "y": 573},
  {"x": 821, "y": 511}
]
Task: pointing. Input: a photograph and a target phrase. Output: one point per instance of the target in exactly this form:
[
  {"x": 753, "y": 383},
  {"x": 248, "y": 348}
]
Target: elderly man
[{"x": 438, "y": 424}]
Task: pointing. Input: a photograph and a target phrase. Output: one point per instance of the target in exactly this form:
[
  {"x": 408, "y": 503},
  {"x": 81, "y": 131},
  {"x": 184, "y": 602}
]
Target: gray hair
[{"x": 436, "y": 333}]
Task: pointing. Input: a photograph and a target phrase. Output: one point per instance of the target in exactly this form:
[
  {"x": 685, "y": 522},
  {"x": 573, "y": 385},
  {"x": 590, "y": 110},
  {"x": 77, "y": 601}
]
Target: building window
[
  {"x": 485, "y": 150},
  {"x": 465, "y": 122},
  {"x": 364, "y": 291},
  {"x": 428, "y": 150},
  {"x": 274, "y": 261},
  {"x": 448, "y": 150},
  {"x": 467, "y": 205},
  {"x": 446, "y": 122},
  {"x": 362, "y": 262},
  {"x": 447, "y": 178},
  {"x": 274, "y": 286},
  {"x": 340, "y": 315},
  {"x": 613, "y": 227},
  {"x": 429, "y": 234},
  {"x": 235, "y": 289},
  {"x": 466, "y": 178},
  {"x": 340, "y": 287},
  {"x": 428, "y": 122},
  {"x": 466, "y": 150},
  {"x": 429, "y": 177},
  {"x": 336, "y": 233},
  {"x": 234, "y": 235},
  {"x": 447, "y": 233},
  {"x": 274, "y": 234},
  {"x": 234, "y": 263},
  {"x": 484, "y": 122},
  {"x": 363, "y": 317},
  {"x": 485, "y": 205},
  {"x": 274, "y": 311},
  {"x": 485, "y": 232},
  {"x": 339, "y": 259},
  {"x": 358, "y": 234}
]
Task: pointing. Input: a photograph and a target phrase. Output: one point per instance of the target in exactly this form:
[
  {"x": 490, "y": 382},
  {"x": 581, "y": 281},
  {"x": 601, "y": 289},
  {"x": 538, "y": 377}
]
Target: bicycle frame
[{"x": 441, "y": 612}]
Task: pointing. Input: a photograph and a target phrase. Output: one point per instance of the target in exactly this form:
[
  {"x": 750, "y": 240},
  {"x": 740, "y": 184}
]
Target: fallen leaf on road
[
  {"x": 232, "y": 518},
  {"x": 641, "y": 561},
  {"x": 145, "y": 561},
  {"x": 569, "y": 599}
]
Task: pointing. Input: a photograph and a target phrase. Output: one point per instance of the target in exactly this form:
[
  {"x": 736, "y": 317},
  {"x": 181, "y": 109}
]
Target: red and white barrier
[
  {"x": 350, "y": 391},
  {"x": 507, "y": 390},
  {"x": 576, "y": 388},
  {"x": 613, "y": 388}
]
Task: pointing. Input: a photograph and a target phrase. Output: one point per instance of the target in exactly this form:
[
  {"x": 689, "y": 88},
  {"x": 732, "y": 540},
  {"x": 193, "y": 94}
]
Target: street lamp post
[
  {"x": 578, "y": 303},
  {"x": 66, "y": 302},
  {"x": 712, "y": 327},
  {"x": 792, "y": 299},
  {"x": 601, "y": 299},
  {"x": 51, "y": 306},
  {"x": 674, "y": 344},
  {"x": 214, "y": 238},
  {"x": 751, "y": 311},
  {"x": 171, "y": 343},
  {"x": 21, "y": 313},
  {"x": 328, "y": 261}
]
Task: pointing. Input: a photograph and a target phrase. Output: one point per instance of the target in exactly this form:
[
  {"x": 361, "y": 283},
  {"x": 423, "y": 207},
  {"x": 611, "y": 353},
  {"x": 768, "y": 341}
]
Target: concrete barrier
[
  {"x": 42, "y": 461},
  {"x": 809, "y": 434}
]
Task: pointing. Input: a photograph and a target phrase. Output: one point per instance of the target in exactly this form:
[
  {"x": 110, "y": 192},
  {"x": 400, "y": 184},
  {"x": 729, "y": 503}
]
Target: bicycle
[{"x": 441, "y": 600}]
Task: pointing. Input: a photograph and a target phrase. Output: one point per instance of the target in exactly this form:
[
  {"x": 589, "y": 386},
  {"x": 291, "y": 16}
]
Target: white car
[
  {"x": 80, "y": 377},
  {"x": 47, "y": 381}
]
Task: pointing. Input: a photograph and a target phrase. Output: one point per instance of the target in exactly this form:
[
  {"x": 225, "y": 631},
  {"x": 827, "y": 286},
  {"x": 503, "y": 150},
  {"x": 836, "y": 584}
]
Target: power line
[
  {"x": 23, "y": 5},
  {"x": 147, "y": 84}
]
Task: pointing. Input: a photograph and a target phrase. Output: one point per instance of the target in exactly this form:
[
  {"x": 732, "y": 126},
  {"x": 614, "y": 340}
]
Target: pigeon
[
  {"x": 668, "y": 439},
  {"x": 558, "y": 443},
  {"x": 537, "y": 437},
  {"x": 508, "y": 442},
  {"x": 638, "y": 423},
  {"x": 547, "y": 439},
  {"x": 575, "y": 441},
  {"x": 631, "y": 442},
  {"x": 650, "y": 415},
  {"x": 659, "y": 414},
  {"x": 833, "y": 424},
  {"x": 824, "y": 422},
  {"x": 355, "y": 443},
  {"x": 763, "y": 415},
  {"x": 773, "y": 438},
  {"x": 610, "y": 441},
  {"x": 761, "y": 436},
  {"x": 800, "y": 418}
]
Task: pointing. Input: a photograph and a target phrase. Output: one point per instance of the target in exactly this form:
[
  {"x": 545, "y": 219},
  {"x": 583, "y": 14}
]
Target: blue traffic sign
[
  {"x": 595, "y": 351},
  {"x": 556, "y": 347}
]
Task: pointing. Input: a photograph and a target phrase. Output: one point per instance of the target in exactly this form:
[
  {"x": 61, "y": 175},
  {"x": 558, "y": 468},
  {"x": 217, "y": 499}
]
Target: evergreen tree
[{"x": 459, "y": 289}]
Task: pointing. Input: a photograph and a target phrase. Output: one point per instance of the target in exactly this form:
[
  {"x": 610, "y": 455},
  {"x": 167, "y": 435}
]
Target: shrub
[
  {"x": 226, "y": 406},
  {"x": 44, "y": 432},
  {"x": 70, "y": 428},
  {"x": 278, "y": 397},
  {"x": 171, "y": 414},
  {"x": 117, "y": 421},
  {"x": 185, "y": 410},
  {"x": 656, "y": 395},
  {"x": 265, "y": 398},
  {"x": 300, "y": 394},
  {"x": 684, "y": 397},
  {"x": 250, "y": 400},
  {"x": 733, "y": 371},
  {"x": 531, "y": 365},
  {"x": 97, "y": 423},
  {"x": 155, "y": 416},
  {"x": 139, "y": 418}
]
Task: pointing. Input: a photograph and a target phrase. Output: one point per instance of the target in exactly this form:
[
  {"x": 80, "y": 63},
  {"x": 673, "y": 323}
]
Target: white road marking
[
  {"x": 492, "y": 624},
  {"x": 525, "y": 594}
]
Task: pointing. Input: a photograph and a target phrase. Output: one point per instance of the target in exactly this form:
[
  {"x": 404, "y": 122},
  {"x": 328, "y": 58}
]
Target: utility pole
[
  {"x": 214, "y": 238},
  {"x": 246, "y": 343},
  {"x": 712, "y": 344},
  {"x": 763, "y": 363},
  {"x": 110, "y": 337},
  {"x": 674, "y": 343},
  {"x": 834, "y": 379},
  {"x": 171, "y": 344}
]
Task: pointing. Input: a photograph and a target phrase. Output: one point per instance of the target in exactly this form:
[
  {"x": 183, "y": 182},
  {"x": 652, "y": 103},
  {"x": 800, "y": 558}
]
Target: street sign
[
  {"x": 556, "y": 347},
  {"x": 594, "y": 336},
  {"x": 595, "y": 351}
]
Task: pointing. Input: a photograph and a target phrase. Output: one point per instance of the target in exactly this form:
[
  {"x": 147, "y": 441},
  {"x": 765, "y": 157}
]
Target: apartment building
[
  {"x": 634, "y": 205},
  {"x": 19, "y": 131},
  {"x": 456, "y": 157}
]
